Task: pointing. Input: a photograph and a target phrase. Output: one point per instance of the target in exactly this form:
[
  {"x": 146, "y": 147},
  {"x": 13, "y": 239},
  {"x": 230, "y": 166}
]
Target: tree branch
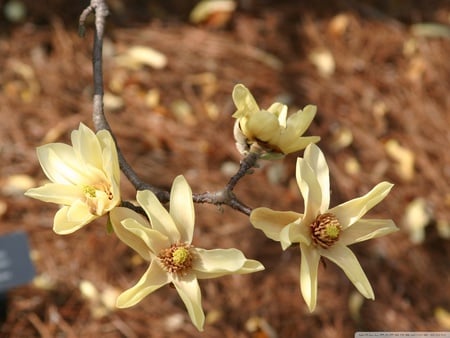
[
  {"x": 98, "y": 115},
  {"x": 225, "y": 196}
]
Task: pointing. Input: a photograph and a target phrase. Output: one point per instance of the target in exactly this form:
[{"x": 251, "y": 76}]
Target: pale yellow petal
[
  {"x": 271, "y": 222},
  {"x": 350, "y": 212},
  {"x": 280, "y": 111},
  {"x": 219, "y": 262},
  {"x": 79, "y": 211},
  {"x": 295, "y": 232},
  {"x": 316, "y": 160},
  {"x": 310, "y": 189},
  {"x": 244, "y": 101},
  {"x": 189, "y": 291},
  {"x": 182, "y": 208},
  {"x": 308, "y": 275},
  {"x": 153, "y": 279},
  {"x": 60, "y": 164},
  {"x": 347, "y": 261},
  {"x": 136, "y": 242},
  {"x": 160, "y": 218},
  {"x": 285, "y": 238},
  {"x": 154, "y": 240},
  {"x": 263, "y": 126},
  {"x": 110, "y": 156},
  {"x": 102, "y": 203},
  {"x": 288, "y": 145},
  {"x": 298, "y": 122},
  {"x": 56, "y": 193},
  {"x": 62, "y": 225},
  {"x": 250, "y": 266},
  {"x": 365, "y": 229},
  {"x": 86, "y": 144}
]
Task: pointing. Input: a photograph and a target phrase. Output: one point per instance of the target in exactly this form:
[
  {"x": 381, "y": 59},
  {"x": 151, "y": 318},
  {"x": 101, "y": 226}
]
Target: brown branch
[
  {"x": 100, "y": 9},
  {"x": 223, "y": 197},
  {"x": 226, "y": 196}
]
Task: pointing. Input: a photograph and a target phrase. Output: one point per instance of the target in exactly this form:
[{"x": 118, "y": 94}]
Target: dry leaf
[
  {"x": 339, "y": 24},
  {"x": 214, "y": 13},
  {"x": 137, "y": 57},
  {"x": 341, "y": 137},
  {"x": 324, "y": 62},
  {"x": 443, "y": 228},
  {"x": 442, "y": 317},
  {"x": 417, "y": 217},
  {"x": 113, "y": 102},
  {"x": 404, "y": 158},
  {"x": 17, "y": 184}
]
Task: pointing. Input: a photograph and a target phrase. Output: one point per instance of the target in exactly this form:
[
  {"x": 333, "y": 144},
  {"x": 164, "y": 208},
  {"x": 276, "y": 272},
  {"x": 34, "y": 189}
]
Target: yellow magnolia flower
[
  {"x": 324, "y": 232},
  {"x": 85, "y": 178},
  {"x": 271, "y": 129},
  {"x": 165, "y": 242}
]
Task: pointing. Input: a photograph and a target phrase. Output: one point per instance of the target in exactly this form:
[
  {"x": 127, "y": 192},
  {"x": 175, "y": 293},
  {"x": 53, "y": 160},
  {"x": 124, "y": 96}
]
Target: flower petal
[
  {"x": 154, "y": 278},
  {"x": 298, "y": 122},
  {"x": 288, "y": 145},
  {"x": 110, "y": 156},
  {"x": 250, "y": 266},
  {"x": 350, "y": 212},
  {"x": 263, "y": 126},
  {"x": 63, "y": 225},
  {"x": 160, "y": 218},
  {"x": 220, "y": 262},
  {"x": 316, "y": 160},
  {"x": 280, "y": 110},
  {"x": 365, "y": 229},
  {"x": 244, "y": 101},
  {"x": 308, "y": 275},
  {"x": 79, "y": 211},
  {"x": 118, "y": 216},
  {"x": 296, "y": 232},
  {"x": 271, "y": 222},
  {"x": 310, "y": 189},
  {"x": 189, "y": 291},
  {"x": 347, "y": 261},
  {"x": 182, "y": 208},
  {"x": 154, "y": 240},
  {"x": 87, "y": 146},
  {"x": 60, "y": 164},
  {"x": 56, "y": 193}
]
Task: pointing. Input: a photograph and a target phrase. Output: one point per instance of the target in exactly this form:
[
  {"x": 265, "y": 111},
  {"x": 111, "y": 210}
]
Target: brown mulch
[{"x": 390, "y": 84}]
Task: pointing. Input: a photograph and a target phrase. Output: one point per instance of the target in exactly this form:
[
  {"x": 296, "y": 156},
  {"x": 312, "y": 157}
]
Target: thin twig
[
  {"x": 129, "y": 205},
  {"x": 247, "y": 163},
  {"x": 100, "y": 9},
  {"x": 222, "y": 197}
]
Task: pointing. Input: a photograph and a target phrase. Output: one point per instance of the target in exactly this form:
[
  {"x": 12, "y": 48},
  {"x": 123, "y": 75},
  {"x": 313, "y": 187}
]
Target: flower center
[
  {"x": 325, "y": 230},
  {"x": 94, "y": 200},
  {"x": 177, "y": 258},
  {"x": 89, "y": 191}
]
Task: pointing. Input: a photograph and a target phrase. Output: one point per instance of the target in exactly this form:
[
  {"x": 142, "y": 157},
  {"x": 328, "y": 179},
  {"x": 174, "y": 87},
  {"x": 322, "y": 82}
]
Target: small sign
[{"x": 16, "y": 267}]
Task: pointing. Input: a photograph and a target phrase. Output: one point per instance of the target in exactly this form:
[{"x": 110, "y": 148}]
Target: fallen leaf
[
  {"x": 137, "y": 57},
  {"x": 417, "y": 216},
  {"x": 324, "y": 62},
  {"x": 17, "y": 184},
  {"x": 403, "y": 157},
  {"x": 442, "y": 317},
  {"x": 214, "y": 13}
]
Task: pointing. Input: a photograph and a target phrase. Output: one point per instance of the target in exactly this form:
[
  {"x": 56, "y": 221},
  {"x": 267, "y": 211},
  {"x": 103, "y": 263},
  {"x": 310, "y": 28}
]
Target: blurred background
[{"x": 379, "y": 74}]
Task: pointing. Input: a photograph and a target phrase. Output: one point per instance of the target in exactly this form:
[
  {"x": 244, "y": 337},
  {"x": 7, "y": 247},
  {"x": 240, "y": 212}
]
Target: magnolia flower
[
  {"x": 166, "y": 242},
  {"x": 85, "y": 178},
  {"x": 270, "y": 129},
  {"x": 324, "y": 232}
]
